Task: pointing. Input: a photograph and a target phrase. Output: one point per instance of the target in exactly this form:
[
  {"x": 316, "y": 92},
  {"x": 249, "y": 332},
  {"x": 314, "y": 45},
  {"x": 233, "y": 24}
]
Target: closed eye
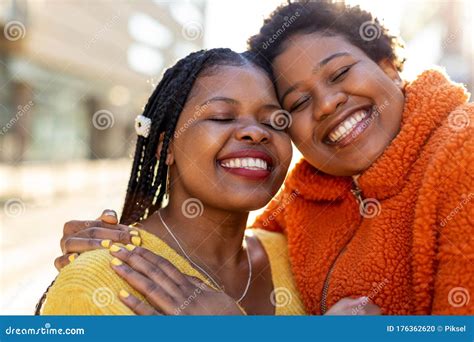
[
  {"x": 341, "y": 73},
  {"x": 221, "y": 119},
  {"x": 299, "y": 104}
]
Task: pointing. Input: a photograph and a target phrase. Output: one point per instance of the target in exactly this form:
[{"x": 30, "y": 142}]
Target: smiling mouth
[
  {"x": 249, "y": 164},
  {"x": 246, "y": 163},
  {"x": 351, "y": 127}
]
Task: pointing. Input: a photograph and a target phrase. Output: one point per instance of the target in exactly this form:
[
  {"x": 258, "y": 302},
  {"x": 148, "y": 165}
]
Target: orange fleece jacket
[{"x": 412, "y": 250}]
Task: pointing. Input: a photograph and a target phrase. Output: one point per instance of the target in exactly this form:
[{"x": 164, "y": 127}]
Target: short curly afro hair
[{"x": 329, "y": 18}]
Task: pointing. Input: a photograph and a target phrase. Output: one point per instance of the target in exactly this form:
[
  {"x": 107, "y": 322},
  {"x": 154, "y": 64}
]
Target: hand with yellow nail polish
[
  {"x": 170, "y": 289},
  {"x": 82, "y": 236}
]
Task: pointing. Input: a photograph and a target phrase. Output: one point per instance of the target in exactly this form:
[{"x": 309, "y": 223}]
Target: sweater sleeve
[
  {"x": 454, "y": 277},
  {"x": 88, "y": 286}
]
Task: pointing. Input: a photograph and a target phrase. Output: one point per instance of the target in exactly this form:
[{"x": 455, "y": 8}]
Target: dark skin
[
  {"x": 241, "y": 121},
  {"x": 230, "y": 118},
  {"x": 319, "y": 80},
  {"x": 220, "y": 117}
]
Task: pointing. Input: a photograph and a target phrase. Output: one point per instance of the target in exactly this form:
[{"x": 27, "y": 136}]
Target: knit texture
[
  {"x": 89, "y": 286},
  {"x": 412, "y": 250}
]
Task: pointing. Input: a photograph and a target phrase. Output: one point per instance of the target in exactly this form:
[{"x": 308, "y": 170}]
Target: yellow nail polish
[
  {"x": 134, "y": 233},
  {"x": 124, "y": 294},
  {"x": 72, "y": 257},
  {"x": 116, "y": 262},
  {"x": 114, "y": 248},
  {"x": 130, "y": 247},
  {"x": 136, "y": 240},
  {"x": 105, "y": 243}
]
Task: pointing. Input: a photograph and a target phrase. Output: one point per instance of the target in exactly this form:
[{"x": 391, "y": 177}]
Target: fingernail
[
  {"x": 114, "y": 248},
  {"x": 134, "y": 233},
  {"x": 72, "y": 257},
  {"x": 136, "y": 240},
  {"x": 116, "y": 262},
  {"x": 124, "y": 294},
  {"x": 130, "y": 247},
  {"x": 109, "y": 213},
  {"x": 105, "y": 243}
]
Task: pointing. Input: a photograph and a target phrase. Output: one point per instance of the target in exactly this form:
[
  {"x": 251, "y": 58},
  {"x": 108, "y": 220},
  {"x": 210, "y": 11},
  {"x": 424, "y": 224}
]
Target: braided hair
[{"x": 147, "y": 183}]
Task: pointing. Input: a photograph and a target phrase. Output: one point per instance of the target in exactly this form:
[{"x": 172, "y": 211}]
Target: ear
[
  {"x": 391, "y": 71},
  {"x": 169, "y": 156}
]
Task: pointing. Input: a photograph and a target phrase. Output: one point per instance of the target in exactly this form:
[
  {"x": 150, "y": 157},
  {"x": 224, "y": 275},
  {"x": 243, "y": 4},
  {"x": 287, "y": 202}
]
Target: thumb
[{"x": 109, "y": 216}]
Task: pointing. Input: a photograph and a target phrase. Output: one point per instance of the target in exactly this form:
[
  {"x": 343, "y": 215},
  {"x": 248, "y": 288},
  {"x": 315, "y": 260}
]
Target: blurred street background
[{"x": 75, "y": 73}]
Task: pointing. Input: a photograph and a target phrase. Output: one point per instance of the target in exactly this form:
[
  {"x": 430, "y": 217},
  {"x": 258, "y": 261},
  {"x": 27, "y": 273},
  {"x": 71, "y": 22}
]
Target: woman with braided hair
[{"x": 208, "y": 152}]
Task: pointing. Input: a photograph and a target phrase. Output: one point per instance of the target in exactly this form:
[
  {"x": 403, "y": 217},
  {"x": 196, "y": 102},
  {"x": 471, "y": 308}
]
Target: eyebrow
[
  {"x": 315, "y": 69},
  {"x": 219, "y": 99},
  {"x": 268, "y": 106}
]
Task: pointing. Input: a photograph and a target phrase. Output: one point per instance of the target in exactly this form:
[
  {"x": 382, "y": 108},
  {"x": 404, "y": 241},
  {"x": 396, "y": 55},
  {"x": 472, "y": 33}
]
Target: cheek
[
  {"x": 302, "y": 128},
  {"x": 285, "y": 152},
  {"x": 197, "y": 148}
]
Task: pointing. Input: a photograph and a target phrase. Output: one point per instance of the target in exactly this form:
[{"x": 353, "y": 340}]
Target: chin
[{"x": 247, "y": 203}]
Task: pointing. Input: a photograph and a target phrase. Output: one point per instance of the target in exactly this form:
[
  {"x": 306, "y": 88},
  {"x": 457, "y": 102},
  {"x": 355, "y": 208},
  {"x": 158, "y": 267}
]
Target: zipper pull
[{"x": 356, "y": 191}]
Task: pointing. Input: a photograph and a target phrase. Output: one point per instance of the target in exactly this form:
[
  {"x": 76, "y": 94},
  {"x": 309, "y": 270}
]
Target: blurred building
[{"x": 74, "y": 74}]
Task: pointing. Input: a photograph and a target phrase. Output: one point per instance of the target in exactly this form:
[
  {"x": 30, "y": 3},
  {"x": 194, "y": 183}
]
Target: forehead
[
  {"x": 302, "y": 52},
  {"x": 237, "y": 82}
]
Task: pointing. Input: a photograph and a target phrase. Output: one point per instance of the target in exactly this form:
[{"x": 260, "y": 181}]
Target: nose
[
  {"x": 328, "y": 102},
  {"x": 252, "y": 133}
]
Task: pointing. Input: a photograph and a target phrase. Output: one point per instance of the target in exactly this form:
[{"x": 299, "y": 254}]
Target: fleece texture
[{"x": 409, "y": 245}]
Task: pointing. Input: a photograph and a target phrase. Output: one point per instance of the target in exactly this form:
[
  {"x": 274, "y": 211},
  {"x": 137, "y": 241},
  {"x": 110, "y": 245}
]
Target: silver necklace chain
[{"x": 201, "y": 269}]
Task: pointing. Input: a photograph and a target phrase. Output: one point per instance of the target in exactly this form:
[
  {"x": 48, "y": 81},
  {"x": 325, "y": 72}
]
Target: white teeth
[
  {"x": 345, "y": 127},
  {"x": 245, "y": 163}
]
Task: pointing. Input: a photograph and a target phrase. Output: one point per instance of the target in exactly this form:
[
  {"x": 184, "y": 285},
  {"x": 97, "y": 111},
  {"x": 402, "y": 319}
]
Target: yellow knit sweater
[{"x": 89, "y": 286}]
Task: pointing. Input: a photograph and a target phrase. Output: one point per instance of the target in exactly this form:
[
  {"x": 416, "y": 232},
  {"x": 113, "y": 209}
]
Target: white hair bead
[{"x": 142, "y": 125}]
